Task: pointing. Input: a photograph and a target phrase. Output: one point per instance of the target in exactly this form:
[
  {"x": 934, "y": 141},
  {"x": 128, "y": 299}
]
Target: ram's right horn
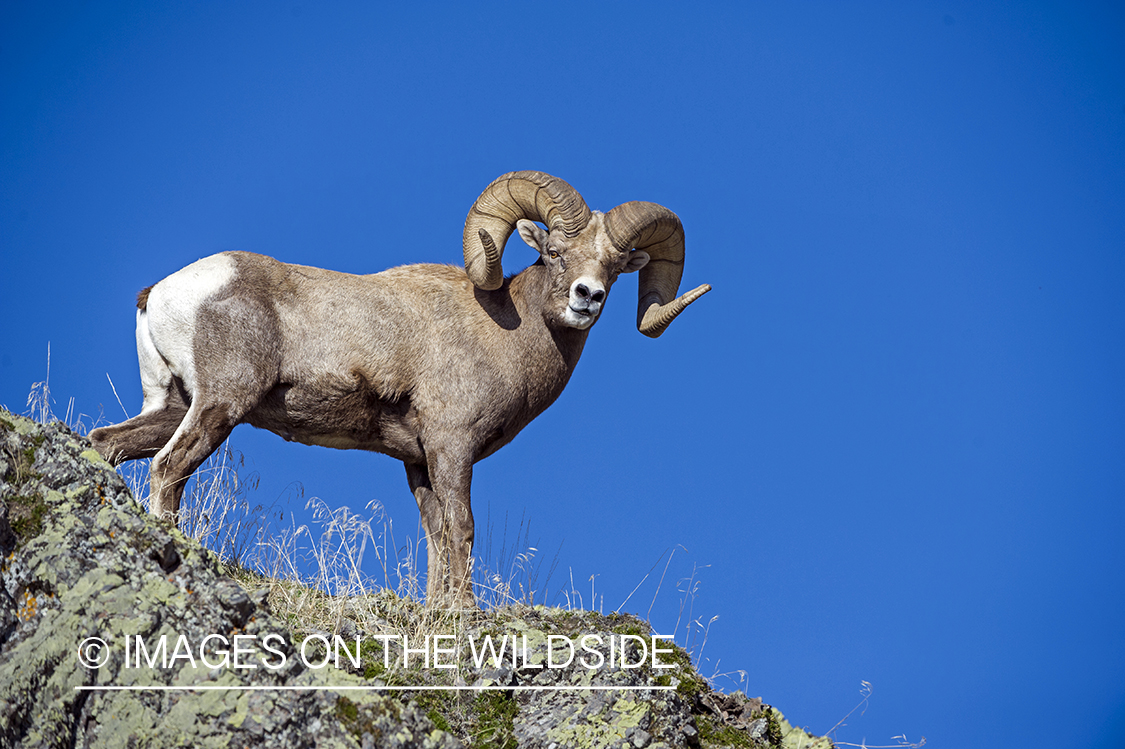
[{"x": 511, "y": 197}]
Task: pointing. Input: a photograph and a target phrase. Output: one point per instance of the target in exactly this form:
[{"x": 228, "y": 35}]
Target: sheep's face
[{"x": 581, "y": 269}]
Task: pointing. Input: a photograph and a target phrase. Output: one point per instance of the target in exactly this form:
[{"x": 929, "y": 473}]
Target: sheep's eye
[{"x": 552, "y": 254}]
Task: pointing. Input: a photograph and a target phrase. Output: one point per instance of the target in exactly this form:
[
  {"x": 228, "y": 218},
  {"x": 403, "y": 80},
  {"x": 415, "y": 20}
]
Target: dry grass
[{"x": 865, "y": 691}]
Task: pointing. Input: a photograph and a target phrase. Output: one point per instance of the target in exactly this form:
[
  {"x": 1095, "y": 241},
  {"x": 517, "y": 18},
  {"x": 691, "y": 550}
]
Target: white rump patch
[
  {"x": 156, "y": 378},
  {"x": 174, "y": 304}
]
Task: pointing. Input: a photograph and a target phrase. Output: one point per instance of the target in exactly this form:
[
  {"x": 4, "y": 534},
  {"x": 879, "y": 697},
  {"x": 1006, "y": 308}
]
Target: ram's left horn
[{"x": 656, "y": 230}]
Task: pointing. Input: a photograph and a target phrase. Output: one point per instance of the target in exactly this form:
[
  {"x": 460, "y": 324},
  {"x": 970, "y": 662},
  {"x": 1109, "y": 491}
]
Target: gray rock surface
[{"x": 80, "y": 559}]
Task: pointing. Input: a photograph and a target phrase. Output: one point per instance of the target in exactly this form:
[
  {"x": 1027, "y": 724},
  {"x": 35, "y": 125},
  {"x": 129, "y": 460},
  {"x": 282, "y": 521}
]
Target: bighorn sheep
[{"x": 436, "y": 366}]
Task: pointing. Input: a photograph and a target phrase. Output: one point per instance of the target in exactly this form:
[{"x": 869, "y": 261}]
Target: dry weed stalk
[{"x": 865, "y": 690}]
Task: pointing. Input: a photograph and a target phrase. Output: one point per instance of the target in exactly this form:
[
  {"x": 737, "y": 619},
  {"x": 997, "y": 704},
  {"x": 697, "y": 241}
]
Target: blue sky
[{"x": 892, "y": 436}]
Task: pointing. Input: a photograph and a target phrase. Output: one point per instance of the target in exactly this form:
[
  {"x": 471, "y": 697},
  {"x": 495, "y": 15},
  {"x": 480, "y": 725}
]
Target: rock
[
  {"x": 89, "y": 563},
  {"x": 91, "y": 585}
]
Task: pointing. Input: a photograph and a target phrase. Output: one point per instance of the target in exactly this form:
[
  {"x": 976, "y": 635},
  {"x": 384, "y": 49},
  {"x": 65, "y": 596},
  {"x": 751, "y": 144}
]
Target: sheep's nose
[{"x": 583, "y": 292}]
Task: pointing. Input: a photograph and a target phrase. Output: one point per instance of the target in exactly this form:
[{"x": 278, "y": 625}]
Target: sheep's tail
[{"x": 142, "y": 297}]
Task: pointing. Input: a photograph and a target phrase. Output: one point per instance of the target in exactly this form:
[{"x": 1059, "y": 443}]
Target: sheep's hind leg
[
  {"x": 165, "y": 406},
  {"x": 202, "y": 431},
  {"x": 140, "y": 437}
]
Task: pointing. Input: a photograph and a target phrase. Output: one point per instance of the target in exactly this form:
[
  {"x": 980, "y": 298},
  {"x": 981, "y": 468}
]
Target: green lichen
[
  {"x": 94, "y": 457},
  {"x": 791, "y": 737},
  {"x": 627, "y": 713},
  {"x": 241, "y": 711},
  {"x": 20, "y": 424}
]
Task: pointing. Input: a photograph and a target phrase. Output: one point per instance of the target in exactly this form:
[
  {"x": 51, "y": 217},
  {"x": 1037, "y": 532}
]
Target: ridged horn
[
  {"x": 657, "y": 231},
  {"x": 531, "y": 195}
]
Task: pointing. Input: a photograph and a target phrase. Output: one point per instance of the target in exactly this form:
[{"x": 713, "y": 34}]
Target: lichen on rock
[{"x": 80, "y": 559}]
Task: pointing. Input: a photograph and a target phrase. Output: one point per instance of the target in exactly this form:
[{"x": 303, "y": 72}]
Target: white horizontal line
[{"x": 495, "y": 688}]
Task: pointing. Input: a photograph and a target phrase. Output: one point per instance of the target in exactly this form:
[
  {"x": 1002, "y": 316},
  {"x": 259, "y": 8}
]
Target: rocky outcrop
[{"x": 117, "y": 630}]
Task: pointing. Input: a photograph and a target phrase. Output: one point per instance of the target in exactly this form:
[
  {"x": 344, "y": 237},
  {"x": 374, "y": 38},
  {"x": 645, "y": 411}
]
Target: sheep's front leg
[
  {"x": 451, "y": 476},
  {"x": 429, "y": 507}
]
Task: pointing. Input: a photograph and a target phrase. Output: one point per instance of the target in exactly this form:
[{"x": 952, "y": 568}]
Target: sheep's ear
[
  {"x": 637, "y": 260},
  {"x": 532, "y": 234}
]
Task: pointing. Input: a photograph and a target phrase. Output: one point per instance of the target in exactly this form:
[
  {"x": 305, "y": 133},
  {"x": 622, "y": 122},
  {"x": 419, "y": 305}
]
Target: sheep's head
[
  {"x": 584, "y": 251},
  {"x": 580, "y": 269}
]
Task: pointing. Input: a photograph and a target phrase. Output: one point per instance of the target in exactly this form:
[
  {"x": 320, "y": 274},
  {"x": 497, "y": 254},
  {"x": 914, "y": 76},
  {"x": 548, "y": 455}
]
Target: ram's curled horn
[
  {"x": 531, "y": 195},
  {"x": 657, "y": 231}
]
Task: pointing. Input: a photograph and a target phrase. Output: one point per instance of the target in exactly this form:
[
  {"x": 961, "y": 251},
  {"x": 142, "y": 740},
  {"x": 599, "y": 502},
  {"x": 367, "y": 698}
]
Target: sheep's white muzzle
[{"x": 586, "y": 298}]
